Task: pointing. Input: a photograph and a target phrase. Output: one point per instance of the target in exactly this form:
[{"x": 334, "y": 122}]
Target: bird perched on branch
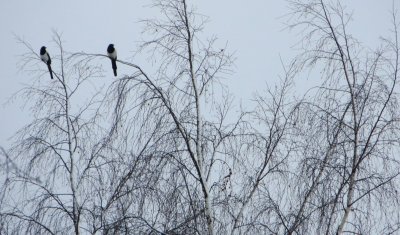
[
  {"x": 112, "y": 54},
  {"x": 45, "y": 57}
]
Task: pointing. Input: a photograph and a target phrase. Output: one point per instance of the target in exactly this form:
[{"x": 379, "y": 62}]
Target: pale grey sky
[{"x": 253, "y": 29}]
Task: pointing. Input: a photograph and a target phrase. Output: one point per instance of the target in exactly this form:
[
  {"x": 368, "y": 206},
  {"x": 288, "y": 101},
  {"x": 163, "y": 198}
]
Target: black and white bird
[
  {"x": 45, "y": 57},
  {"x": 112, "y": 54}
]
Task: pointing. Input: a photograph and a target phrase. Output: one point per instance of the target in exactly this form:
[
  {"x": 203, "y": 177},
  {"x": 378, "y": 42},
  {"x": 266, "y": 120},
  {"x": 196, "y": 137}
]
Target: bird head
[
  {"x": 110, "y": 48},
  {"x": 42, "y": 50}
]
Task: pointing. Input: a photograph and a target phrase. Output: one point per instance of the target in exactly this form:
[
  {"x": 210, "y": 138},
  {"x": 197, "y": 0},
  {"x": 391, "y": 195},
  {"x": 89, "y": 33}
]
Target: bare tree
[
  {"x": 54, "y": 150},
  {"x": 184, "y": 84},
  {"x": 348, "y": 176},
  {"x": 160, "y": 151},
  {"x": 167, "y": 151}
]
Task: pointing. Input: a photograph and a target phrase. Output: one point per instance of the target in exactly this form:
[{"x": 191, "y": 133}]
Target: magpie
[
  {"x": 44, "y": 55},
  {"x": 112, "y": 54}
]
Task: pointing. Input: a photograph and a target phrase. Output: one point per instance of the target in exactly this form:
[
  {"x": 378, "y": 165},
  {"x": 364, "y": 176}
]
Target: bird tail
[
  {"x": 50, "y": 71},
  {"x": 114, "y": 66}
]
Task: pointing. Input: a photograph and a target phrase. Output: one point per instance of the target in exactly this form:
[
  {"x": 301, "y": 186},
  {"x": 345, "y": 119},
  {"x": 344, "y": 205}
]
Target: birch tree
[
  {"x": 349, "y": 169},
  {"x": 165, "y": 148}
]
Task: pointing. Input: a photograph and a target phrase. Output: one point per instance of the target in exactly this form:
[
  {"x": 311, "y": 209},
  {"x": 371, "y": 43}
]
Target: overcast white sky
[{"x": 254, "y": 29}]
